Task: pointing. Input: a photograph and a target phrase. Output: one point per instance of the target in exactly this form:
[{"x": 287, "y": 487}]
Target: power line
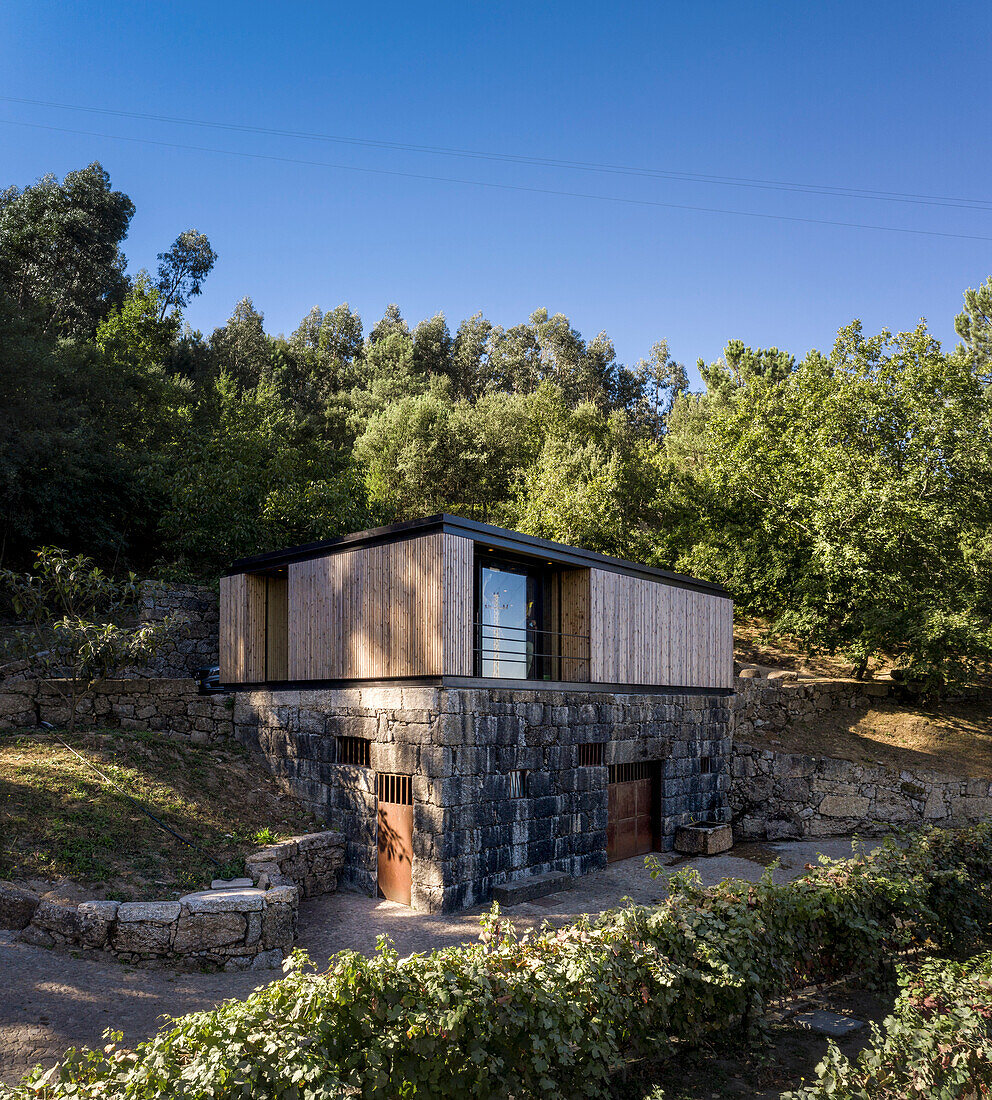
[
  {"x": 503, "y": 186},
  {"x": 950, "y": 201}
]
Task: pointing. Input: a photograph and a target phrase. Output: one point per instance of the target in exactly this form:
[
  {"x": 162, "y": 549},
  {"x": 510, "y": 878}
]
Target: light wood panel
[
  {"x": 242, "y": 629},
  {"x": 376, "y": 612},
  {"x": 575, "y": 624},
  {"x": 648, "y": 632},
  {"x": 458, "y": 605},
  {"x": 277, "y": 629}
]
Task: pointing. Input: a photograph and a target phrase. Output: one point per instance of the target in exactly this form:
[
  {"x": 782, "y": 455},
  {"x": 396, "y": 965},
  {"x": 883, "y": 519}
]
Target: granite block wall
[{"x": 471, "y": 829}]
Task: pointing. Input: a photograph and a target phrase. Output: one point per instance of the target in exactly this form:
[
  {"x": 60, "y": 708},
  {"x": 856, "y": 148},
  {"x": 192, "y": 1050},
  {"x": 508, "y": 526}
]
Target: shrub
[
  {"x": 554, "y": 1013},
  {"x": 936, "y": 1045}
]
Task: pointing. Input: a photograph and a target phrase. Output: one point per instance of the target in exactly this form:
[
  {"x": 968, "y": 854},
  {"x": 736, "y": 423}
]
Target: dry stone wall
[
  {"x": 247, "y": 923},
  {"x": 167, "y": 706},
  {"x": 783, "y": 795},
  {"x": 311, "y": 863},
  {"x": 237, "y": 929},
  {"x": 195, "y": 642}
]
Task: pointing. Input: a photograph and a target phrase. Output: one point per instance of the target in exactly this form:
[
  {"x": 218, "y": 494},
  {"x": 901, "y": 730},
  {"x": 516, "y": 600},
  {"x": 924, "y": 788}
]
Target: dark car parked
[{"x": 209, "y": 679}]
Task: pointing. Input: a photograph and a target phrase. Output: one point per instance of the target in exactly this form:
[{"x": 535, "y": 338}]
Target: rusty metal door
[
  {"x": 630, "y": 810},
  {"x": 395, "y": 821}
]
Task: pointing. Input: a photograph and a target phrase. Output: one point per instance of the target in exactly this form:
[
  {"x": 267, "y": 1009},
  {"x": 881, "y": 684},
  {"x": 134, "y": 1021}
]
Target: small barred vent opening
[
  {"x": 706, "y": 765},
  {"x": 396, "y": 789},
  {"x": 353, "y": 750},
  {"x": 629, "y": 773},
  {"x": 518, "y": 784},
  {"x": 591, "y": 756}
]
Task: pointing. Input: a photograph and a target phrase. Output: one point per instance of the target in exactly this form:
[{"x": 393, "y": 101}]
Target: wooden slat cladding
[
  {"x": 458, "y": 604},
  {"x": 276, "y": 629},
  {"x": 646, "y": 632},
  {"x": 575, "y": 624},
  {"x": 242, "y": 636},
  {"x": 377, "y": 612}
]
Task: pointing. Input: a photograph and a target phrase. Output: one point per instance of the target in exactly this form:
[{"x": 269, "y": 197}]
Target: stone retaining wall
[
  {"x": 310, "y": 863},
  {"x": 778, "y": 795},
  {"x": 195, "y": 642},
  {"x": 773, "y": 703},
  {"x": 168, "y": 706},
  {"x": 234, "y": 925},
  {"x": 471, "y": 830},
  {"x": 237, "y": 929}
]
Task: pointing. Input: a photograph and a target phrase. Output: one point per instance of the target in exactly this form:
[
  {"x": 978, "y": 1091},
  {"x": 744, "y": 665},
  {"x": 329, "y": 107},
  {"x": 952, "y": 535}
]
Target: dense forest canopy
[{"x": 846, "y": 497}]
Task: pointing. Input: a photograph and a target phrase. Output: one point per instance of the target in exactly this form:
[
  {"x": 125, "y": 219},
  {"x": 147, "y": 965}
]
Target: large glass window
[{"x": 509, "y": 621}]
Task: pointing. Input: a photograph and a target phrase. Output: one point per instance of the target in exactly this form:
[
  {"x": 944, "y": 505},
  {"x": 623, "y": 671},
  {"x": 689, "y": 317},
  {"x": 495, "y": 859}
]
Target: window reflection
[{"x": 509, "y": 622}]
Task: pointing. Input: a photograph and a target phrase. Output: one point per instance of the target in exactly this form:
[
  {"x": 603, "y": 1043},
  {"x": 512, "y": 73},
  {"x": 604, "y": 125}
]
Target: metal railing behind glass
[{"x": 525, "y": 653}]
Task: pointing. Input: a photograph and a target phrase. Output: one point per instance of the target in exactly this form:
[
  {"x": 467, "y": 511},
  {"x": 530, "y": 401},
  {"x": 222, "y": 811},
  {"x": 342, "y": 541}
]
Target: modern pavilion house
[{"x": 472, "y": 706}]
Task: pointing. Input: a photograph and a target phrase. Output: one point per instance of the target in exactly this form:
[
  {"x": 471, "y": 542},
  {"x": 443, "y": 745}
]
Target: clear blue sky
[{"x": 882, "y": 96}]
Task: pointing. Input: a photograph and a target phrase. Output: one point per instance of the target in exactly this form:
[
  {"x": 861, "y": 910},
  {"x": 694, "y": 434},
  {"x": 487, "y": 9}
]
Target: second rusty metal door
[
  {"x": 395, "y": 829},
  {"x": 631, "y": 810}
]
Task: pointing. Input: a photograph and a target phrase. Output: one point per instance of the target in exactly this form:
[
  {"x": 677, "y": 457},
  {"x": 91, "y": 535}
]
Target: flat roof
[{"x": 498, "y": 538}]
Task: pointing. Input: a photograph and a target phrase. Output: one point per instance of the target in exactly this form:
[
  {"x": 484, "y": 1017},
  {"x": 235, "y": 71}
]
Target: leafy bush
[
  {"x": 554, "y": 1013},
  {"x": 937, "y": 1044}
]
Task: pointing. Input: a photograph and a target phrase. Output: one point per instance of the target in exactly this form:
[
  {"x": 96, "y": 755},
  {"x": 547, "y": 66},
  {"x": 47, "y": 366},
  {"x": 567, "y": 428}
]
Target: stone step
[{"x": 519, "y": 890}]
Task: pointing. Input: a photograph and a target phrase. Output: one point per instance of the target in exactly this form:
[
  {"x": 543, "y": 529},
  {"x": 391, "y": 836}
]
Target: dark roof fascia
[{"x": 498, "y": 538}]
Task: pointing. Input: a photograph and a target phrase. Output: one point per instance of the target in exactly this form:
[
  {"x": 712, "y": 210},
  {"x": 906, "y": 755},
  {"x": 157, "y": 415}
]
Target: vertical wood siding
[
  {"x": 458, "y": 605},
  {"x": 242, "y": 629},
  {"x": 378, "y": 611},
  {"x": 647, "y": 632},
  {"x": 277, "y": 629},
  {"x": 575, "y": 624}
]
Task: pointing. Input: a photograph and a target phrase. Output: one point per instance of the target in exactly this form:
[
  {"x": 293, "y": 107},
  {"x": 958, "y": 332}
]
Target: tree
[
  {"x": 240, "y": 348},
  {"x": 427, "y": 453},
  {"x": 661, "y": 382},
  {"x": 182, "y": 269},
  {"x": 974, "y": 325},
  {"x": 852, "y": 499},
  {"x": 432, "y": 347},
  {"x": 468, "y": 370},
  {"x": 72, "y": 631},
  {"x": 60, "y": 255},
  {"x": 253, "y": 478},
  {"x": 390, "y": 324}
]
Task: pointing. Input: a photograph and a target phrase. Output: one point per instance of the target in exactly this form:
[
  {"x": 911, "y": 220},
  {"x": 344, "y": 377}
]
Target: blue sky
[{"x": 884, "y": 96}]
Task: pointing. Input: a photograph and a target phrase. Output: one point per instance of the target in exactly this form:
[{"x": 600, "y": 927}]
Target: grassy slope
[{"x": 58, "y": 818}]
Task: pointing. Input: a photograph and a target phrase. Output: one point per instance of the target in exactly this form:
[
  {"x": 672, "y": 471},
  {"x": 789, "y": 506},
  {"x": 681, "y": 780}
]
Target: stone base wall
[
  {"x": 782, "y": 795},
  {"x": 460, "y": 745},
  {"x": 235, "y": 929},
  {"x": 168, "y": 706}
]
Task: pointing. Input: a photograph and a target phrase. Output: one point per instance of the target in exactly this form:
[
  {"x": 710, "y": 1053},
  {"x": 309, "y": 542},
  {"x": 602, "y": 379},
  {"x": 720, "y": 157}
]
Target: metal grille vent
[
  {"x": 630, "y": 773},
  {"x": 353, "y": 750},
  {"x": 706, "y": 765},
  {"x": 396, "y": 789},
  {"x": 591, "y": 756}
]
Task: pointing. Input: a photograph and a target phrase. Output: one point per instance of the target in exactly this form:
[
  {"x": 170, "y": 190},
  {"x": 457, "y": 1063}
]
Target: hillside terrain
[{"x": 65, "y": 829}]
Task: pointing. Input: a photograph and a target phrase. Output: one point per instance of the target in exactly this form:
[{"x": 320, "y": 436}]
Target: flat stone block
[
  {"x": 705, "y": 840},
  {"x": 230, "y": 883},
  {"x": 155, "y": 912},
  {"x": 828, "y": 1023},
  {"x": 244, "y": 900},
  {"x": 529, "y": 887}
]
